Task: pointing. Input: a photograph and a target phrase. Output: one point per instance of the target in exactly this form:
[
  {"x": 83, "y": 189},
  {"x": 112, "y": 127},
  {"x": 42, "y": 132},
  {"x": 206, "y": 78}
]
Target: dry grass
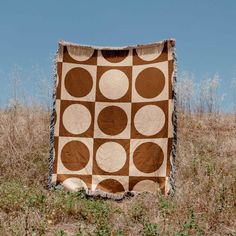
[{"x": 204, "y": 203}]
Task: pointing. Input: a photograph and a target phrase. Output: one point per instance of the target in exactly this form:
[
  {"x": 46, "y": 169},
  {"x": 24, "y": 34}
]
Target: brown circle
[
  {"x": 148, "y": 157},
  {"x": 78, "y": 82},
  {"x": 75, "y": 155},
  {"x": 112, "y": 120},
  {"x": 150, "y": 82},
  {"x": 115, "y": 56},
  {"x": 110, "y": 186}
]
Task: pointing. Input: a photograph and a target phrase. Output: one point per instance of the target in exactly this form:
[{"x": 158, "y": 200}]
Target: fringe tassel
[
  {"x": 52, "y": 119},
  {"x": 171, "y": 179},
  {"x": 104, "y": 195}
]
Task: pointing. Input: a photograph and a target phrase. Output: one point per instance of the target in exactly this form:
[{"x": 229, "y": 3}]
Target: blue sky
[{"x": 205, "y": 32}]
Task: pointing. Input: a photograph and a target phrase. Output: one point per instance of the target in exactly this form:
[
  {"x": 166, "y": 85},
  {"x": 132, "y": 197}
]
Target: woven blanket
[{"x": 112, "y": 126}]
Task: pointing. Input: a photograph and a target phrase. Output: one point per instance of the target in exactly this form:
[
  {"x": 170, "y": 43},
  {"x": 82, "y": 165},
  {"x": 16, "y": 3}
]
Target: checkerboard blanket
[{"x": 112, "y": 126}]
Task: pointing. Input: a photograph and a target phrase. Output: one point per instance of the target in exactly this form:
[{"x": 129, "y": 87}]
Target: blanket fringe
[
  {"x": 86, "y": 50},
  {"x": 52, "y": 118},
  {"x": 99, "y": 194},
  {"x": 171, "y": 178},
  {"x": 104, "y": 195}
]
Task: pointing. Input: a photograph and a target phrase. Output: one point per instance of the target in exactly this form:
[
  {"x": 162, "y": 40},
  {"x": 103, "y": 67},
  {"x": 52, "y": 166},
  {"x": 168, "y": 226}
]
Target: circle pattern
[
  {"x": 151, "y": 115},
  {"x": 75, "y": 155},
  {"x": 111, "y": 156},
  {"x": 112, "y": 120},
  {"x": 114, "y": 95},
  {"x": 76, "y": 118},
  {"x": 114, "y": 84},
  {"x": 78, "y": 82},
  {"x": 150, "y": 82},
  {"x": 148, "y": 157}
]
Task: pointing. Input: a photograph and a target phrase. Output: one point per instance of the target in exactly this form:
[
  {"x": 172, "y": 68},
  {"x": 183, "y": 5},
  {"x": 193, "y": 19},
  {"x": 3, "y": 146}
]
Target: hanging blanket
[{"x": 112, "y": 126}]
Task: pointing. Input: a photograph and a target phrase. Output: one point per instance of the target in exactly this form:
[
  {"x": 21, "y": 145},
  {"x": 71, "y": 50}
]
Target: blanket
[{"x": 113, "y": 125}]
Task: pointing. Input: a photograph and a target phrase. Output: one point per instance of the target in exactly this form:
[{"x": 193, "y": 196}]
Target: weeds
[{"x": 151, "y": 230}]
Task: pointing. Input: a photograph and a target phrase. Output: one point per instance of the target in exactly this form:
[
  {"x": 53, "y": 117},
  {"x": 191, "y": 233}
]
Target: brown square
[
  {"x": 163, "y": 57},
  {"x": 67, "y": 58},
  {"x": 64, "y": 132},
  {"x": 163, "y": 133},
  {"x": 101, "y": 70},
  {"x": 124, "y": 171}
]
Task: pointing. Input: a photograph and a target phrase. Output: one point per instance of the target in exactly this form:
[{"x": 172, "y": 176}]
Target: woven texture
[{"x": 113, "y": 118}]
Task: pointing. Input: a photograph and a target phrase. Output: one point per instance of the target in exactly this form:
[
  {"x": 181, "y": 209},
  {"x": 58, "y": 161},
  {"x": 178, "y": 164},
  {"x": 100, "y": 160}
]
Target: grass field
[{"x": 204, "y": 202}]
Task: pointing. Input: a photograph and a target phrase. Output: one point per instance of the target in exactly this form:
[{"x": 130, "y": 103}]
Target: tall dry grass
[{"x": 24, "y": 143}]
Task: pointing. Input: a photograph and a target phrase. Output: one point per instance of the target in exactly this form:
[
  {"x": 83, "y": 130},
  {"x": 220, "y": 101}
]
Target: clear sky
[{"x": 205, "y": 32}]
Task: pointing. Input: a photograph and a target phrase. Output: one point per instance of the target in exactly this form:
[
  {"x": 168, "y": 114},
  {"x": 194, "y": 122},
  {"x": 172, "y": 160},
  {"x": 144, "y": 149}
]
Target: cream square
[
  {"x": 96, "y": 179},
  {"x": 163, "y": 67},
  {"x": 161, "y": 172},
  {"x": 101, "y": 61},
  {"x": 125, "y": 134},
  {"x": 87, "y": 170},
  {"x": 65, "y": 95}
]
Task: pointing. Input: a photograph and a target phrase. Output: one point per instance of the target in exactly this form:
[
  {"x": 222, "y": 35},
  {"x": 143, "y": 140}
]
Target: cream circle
[
  {"x": 74, "y": 184},
  {"x": 76, "y": 118},
  {"x": 146, "y": 186},
  {"x": 80, "y": 54},
  {"x": 149, "y": 54},
  {"x": 111, "y": 156},
  {"x": 149, "y": 120},
  {"x": 114, "y": 84}
]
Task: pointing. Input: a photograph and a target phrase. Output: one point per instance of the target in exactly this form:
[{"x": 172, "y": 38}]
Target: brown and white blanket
[{"x": 112, "y": 127}]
